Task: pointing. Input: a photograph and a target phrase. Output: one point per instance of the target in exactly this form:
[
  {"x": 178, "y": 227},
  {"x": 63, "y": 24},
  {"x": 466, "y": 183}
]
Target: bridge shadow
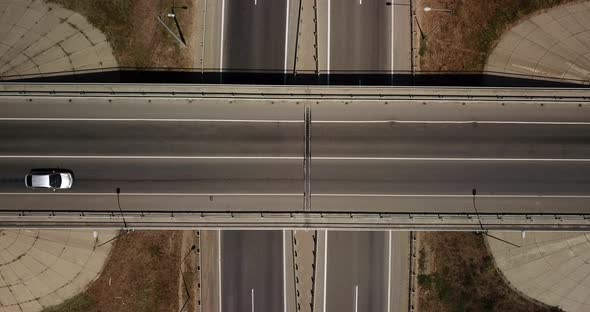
[{"x": 182, "y": 76}]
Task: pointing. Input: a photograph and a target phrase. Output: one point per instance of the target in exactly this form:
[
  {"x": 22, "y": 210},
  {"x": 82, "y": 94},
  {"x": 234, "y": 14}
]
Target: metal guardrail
[{"x": 295, "y": 220}]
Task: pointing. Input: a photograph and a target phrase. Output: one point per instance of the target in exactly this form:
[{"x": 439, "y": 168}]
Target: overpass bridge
[{"x": 185, "y": 156}]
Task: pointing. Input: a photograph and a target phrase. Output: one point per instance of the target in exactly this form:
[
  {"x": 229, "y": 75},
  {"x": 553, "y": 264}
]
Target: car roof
[{"x": 40, "y": 180}]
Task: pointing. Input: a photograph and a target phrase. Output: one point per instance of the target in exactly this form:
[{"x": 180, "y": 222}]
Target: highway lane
[
  {"x": 259, "y": 35},
  {"x": 364, "y": 36},
  {"x": 258, "y": 166},
  {"x": 286, "y": 139},
  {"x": 162, "y": 138},
  {"x": 357, "y": 267},
  {"x": 158, "y": 184},
  {"x": 252, "y": 267},
  {"x": 389, "y": 185}
]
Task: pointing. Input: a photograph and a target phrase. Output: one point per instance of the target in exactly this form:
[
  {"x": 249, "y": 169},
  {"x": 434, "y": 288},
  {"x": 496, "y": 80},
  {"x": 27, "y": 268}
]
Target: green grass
[
  {"x": 423, "y": 47},
  {"x": 79, "y": 303}
]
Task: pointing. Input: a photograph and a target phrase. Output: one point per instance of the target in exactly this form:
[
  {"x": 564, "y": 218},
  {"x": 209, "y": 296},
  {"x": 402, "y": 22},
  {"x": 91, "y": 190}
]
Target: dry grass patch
[
  {"x": 456, "y": 272},
  {"x": 141, "y": 275},
  {"x": 462, "y": 40},
  {"x": 137, "y": 37}
]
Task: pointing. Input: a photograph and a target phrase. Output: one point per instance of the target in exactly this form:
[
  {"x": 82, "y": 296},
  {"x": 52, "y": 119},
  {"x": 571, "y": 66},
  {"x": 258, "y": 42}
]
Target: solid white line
[
  {"x": 578, "y": 123},
  {"x": 532, "y": 196},
  {"x": 451, "y": 195},
  {"x": 284, "y": 273},
  {"x": 356, "y": 298},
  {"x": 328, "y": 50},
  {"x": 252, "y": 295},
  {"x": 154, "y": 120},
  {"x": 392, "y": 36},
  {"x": 325, "y": 265},
  {"x": 254, "y": 4},
  {"x": 287, "y": 36},
  {"x": 446, "y": 159},
  {"x": 156, "y": 194},
  {"x": 222, "y": 34},
  {"x": 219, "y": 264},
  {"x": 154, "y": 157},
  {"x": 389, "y": 272}
]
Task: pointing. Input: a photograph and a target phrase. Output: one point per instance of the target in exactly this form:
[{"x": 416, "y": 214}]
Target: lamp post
[
  {"x": 125, "y": 228},
  {"x": 484, "y": 231},
  {"x": 428, "y": 9},
  {"x": 172, "y": 14}
]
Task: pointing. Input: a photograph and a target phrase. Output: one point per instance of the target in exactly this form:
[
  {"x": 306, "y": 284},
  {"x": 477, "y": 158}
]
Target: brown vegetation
[
  {"x": 142, "y": 274},
  {"x": 456, "y": 272},
  {"x": 133, "y": 30},
  {"x": 461, "y": 40}
]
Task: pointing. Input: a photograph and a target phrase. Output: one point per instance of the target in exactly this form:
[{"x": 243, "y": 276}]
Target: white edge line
[
  {"x": 222, "y": 34},
  {"x": 389, "y": 272},
  {"x": 299, "y": 194},
  {"x": 454, "y": 195},
  {"x": 153, "y": 120},
  {"x": 325, "y": 265},
  {"x": 252, "y": 294},
  {"x": 450, "y": 159},
  {"x": 219, "y": 265},
  {"x": 153, "y": 157},
  {"x": 328, "y": 50},
  {"x": 286, "y": 37},
  {"x": 392, "y": 37},
  {"x": 284, "y": 272},
  {"x": 581, "y": 123}
]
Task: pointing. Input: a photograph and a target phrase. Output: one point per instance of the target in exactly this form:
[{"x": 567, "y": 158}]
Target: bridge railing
[{"x": 296, "y": 220}]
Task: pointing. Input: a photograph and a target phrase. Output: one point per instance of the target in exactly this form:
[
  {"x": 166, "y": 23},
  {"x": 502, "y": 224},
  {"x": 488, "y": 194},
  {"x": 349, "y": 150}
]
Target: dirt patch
[
  {"x": 462, "y": 39},
  {"x": 456, "y": 272},
  {"x": 137, "y": 37},
  {"x": 142, "y": 275}
]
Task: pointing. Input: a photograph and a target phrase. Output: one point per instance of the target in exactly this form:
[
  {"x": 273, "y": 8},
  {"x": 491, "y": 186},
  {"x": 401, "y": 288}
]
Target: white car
[{"x": 49, "y": 179}]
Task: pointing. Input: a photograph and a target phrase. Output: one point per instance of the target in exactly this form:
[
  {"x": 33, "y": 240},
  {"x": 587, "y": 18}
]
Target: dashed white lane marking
[
  {"x": 252, "y": 295},
  {"x": 356, "y": 298}
]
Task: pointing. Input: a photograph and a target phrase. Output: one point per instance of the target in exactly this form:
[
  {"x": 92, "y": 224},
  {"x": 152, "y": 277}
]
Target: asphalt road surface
[
  {"x": 252, "y": 266},
  {"x": 258, "y": 166},
  {"x": 364, "y": 36},
  {"x": 285, "y": 139},
  {"x": 357, "y": 266},
  {"x": 259, "y": 35}
]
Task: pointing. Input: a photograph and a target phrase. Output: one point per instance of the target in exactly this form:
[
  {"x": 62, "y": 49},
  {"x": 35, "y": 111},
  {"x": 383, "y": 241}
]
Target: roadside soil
[
  {"x": 137, "y": 37},
  {"x": 143, "y": 274},
  {"x": 456, "y": 272},
  {"x": 461, "y": 40}
]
